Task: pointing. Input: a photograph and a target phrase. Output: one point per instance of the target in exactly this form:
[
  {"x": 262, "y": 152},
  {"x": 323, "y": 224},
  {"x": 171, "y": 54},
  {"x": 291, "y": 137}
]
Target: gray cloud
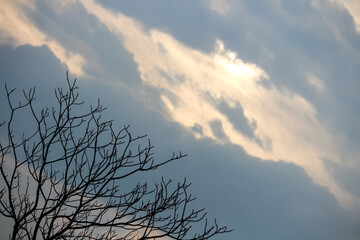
[
  {"x": 258, "y": 199},
  {"x": 286, "y": 122},
  {"x": 287, "y": 40}
]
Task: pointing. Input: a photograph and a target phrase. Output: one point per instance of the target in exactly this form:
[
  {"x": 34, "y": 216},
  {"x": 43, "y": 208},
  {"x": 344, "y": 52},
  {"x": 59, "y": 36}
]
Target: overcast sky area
[{"x": 262, "y": 95}]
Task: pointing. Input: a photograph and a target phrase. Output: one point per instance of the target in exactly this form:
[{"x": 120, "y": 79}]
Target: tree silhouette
[{"x": 67, "y": 178}]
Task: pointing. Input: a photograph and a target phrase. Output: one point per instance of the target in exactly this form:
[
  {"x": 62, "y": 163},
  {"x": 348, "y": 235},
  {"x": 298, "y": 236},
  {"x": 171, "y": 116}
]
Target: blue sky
[{"x": 262, "y": 95}]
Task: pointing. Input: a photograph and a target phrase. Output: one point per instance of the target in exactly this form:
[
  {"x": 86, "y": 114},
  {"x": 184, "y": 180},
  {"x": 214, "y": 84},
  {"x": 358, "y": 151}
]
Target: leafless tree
[{"x": 68, "y": 178}]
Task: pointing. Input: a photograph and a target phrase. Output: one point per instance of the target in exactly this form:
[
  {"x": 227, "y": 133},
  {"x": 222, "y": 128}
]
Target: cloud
[
  {"x": 315, "y": 82},
  {"x": 192, "y": 84},
  {"x": 220, "y": 6},
  {"x": 17, "y": 29},
  {"x": 59, "y": 6},
  {"x": 352, "y": 6}
]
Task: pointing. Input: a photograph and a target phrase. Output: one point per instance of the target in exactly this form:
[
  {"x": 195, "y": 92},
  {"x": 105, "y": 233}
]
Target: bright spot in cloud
[
  {"x": 16, "y": 29},
  {"x": 193, "y": 86}
]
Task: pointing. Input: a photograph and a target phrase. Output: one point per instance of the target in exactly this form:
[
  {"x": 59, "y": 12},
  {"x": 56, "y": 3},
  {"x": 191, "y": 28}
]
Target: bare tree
[{"x": 69, "y": 178}]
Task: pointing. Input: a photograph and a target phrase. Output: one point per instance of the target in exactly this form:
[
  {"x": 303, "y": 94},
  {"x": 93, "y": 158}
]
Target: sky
[{"x": 262, "y": 95}]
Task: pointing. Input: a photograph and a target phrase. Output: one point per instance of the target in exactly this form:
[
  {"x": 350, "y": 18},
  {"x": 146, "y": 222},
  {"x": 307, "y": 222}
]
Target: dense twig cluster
[{"x": 65, "y": 179}]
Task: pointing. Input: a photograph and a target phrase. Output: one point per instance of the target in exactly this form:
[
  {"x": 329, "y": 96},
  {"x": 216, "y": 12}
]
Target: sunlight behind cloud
[
  {"x": 16, "y": 29},
  {"x": 194, "y": 86}
]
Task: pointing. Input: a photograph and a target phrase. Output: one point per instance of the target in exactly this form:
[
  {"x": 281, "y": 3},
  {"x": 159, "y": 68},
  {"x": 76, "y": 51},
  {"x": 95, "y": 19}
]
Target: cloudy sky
[{"x": 262, "y": 95}]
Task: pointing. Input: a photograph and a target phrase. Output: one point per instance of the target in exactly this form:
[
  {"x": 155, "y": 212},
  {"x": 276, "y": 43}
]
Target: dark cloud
[
  {"x": 258, "y": 199},
  {"x": 27, "y": 66},
  {"x": 218, "y": 130},
  {"x": 198, "y": 129},
  {"x": 190, "y": 22},
  {"x": 236, "y": 116}
]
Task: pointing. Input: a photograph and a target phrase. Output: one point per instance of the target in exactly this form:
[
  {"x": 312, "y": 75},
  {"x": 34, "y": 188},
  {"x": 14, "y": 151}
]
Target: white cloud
[
  {"x": 17, "y": 29},
  {"x": 287, "y": 126},
  {"x": 315, "y": 82},
  {"x": 220, "y": 6},
  {"x": 352, "y": 6}
]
